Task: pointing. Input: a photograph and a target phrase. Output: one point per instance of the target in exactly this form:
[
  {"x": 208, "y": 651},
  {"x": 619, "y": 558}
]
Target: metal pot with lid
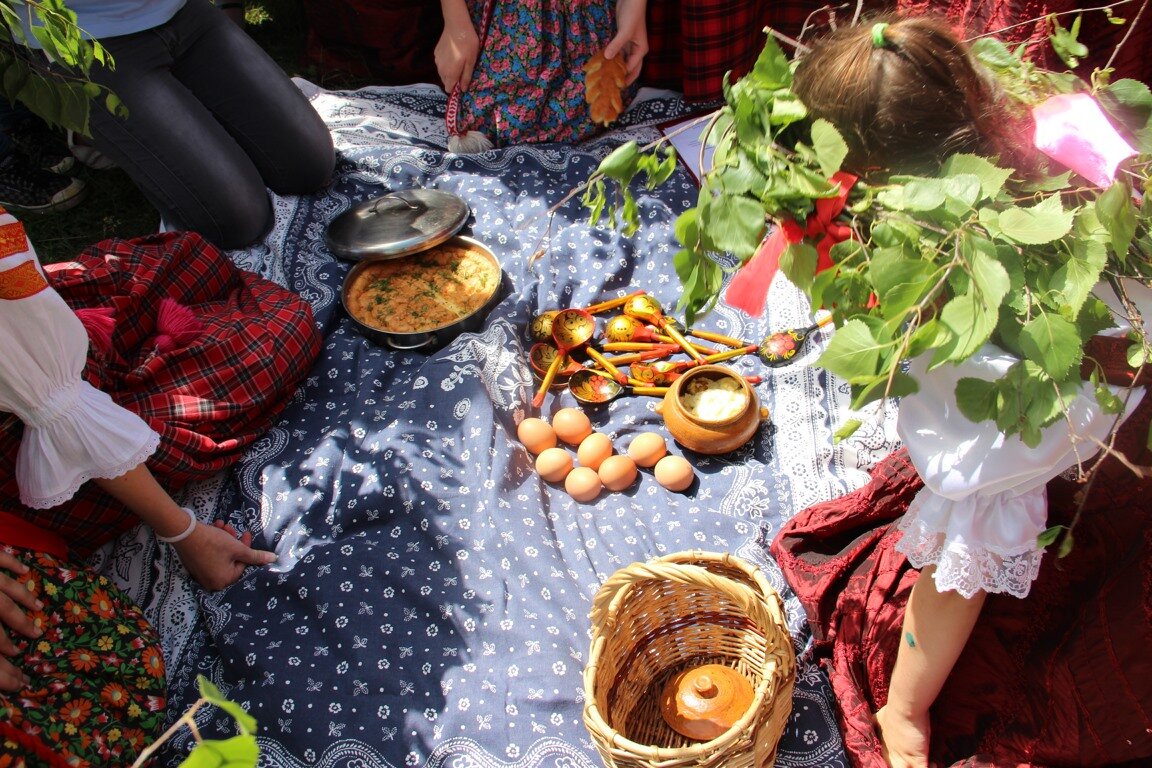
[{"x": 416, "y": 284}]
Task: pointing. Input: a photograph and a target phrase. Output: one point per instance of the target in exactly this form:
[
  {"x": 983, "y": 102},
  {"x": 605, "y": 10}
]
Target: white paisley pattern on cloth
[{"x": 429, "y": 605}]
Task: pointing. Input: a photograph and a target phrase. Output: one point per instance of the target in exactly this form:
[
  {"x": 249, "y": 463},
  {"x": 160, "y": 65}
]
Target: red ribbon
[{"x": 748, "y": 290}]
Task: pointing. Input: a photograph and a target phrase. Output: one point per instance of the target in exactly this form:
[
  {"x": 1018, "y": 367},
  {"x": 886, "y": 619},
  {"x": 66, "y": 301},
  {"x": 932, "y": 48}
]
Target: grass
[{"x": 114, "y": 207}]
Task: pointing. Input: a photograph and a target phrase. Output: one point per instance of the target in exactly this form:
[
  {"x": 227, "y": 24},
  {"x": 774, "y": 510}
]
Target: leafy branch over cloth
[
  {"x": 936, "y": 265},
  {"x": 240, "y": 751},
  {"x": 62, "y": 96}
]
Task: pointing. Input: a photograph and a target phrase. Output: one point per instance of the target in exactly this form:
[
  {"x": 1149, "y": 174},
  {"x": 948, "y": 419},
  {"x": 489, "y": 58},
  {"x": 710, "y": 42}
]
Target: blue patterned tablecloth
[{"x": 429, "y": 606}]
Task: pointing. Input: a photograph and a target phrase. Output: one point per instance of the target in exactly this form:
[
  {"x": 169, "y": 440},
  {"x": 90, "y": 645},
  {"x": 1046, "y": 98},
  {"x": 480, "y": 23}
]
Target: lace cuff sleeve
[
  {"x": 78, "y": 434},
  {"x": 980, "y": 542}
]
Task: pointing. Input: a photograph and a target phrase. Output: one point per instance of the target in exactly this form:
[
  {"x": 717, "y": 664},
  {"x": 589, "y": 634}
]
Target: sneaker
[
  {"x": 44, "y": 147},
  {"x": 87, "y": 154},
  {"x": 26, "y": 188}
]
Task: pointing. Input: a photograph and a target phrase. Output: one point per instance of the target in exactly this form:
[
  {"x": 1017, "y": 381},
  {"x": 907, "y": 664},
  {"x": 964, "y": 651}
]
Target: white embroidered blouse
[
  {"x": 983, "y": 503},
  {"x": 73, "y": 432}
]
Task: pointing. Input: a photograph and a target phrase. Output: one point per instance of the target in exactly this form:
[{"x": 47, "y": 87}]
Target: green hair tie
[{"x": 878, "y": 38}]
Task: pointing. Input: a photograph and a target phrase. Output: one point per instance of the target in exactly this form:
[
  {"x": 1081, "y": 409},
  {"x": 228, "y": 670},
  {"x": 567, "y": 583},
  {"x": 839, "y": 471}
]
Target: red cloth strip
[{"x": 17, "y": 532}]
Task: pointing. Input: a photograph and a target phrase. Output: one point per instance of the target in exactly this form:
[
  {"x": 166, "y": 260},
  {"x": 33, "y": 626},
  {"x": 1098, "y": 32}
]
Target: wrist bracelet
[{"x": 192, "y": 523}]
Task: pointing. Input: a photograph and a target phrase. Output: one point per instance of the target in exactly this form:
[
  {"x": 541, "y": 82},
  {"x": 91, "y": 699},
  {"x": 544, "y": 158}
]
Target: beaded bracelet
[{"x": 192, "y": 523}]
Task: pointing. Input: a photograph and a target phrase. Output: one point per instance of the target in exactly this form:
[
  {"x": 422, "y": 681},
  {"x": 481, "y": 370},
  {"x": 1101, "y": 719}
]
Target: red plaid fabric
[
  {"x": 694, "y": 43},
  {"x": 209, "y": 396}
]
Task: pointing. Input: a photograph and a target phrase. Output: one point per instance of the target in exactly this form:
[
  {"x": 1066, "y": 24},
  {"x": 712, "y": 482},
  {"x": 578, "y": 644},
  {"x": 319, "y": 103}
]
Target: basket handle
[{"x": 613, "y": 590}]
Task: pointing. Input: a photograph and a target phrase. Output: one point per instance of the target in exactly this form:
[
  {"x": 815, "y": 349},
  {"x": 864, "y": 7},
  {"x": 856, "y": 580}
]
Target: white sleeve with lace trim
[
  {"x": 72, "y": 431},
  {"x": 983, "y": 503}
]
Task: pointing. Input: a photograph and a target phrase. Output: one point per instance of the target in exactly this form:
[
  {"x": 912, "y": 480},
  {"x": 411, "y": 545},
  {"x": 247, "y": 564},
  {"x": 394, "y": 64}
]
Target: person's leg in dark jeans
[{"x": 212, "y": 121}]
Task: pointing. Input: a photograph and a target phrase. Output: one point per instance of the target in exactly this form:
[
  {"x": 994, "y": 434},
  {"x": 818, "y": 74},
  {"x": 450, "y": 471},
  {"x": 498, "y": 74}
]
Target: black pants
[{"x": 212, "y": 123}]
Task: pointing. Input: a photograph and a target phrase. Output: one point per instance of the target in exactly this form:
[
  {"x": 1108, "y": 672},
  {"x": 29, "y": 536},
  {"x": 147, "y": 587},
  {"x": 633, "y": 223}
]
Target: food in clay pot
[{"x": 712, "y": 410}]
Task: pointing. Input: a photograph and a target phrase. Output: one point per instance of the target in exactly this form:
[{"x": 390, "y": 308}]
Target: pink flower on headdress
[{"x": 1072, "y": 129}]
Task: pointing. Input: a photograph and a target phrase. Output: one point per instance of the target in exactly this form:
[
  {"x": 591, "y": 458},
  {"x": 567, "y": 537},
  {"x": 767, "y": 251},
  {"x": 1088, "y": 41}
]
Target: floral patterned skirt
[
  {"x": 98, "y": 689},
  {"x": 528, "y": 84}
]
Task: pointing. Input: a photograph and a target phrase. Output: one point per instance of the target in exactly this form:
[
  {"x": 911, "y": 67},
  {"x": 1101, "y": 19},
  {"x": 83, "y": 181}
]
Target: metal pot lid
[{"x": 397, "y": 224}]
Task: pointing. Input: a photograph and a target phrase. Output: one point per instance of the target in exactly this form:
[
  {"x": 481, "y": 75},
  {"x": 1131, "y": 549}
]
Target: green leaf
[
  {"x": 928, "y": 336},
  {"x": 1137, "y": 355},
  {"x": 739, "y": 177},
  {"x": 1129, "y": 102},
  {"x": 772, "y": 69},
  {"x": 991, "y": 177},
  {"x": 854, "y": 353},
  {"x": 621, "y": 163},
  {"x": 1075, "y": 278},
  {"x": 829, "y": 145},
  {"x": 1065, "y": 545},
  {"x": 736, "y": 224},
  {"x": 962, "y": 192},
  {"x": 976, "y": 398},
  {"x": 1065, "y": 42},
  {"x": 847, "y": 430},
  {"x": 236, "y": 752},
  {"x": 1027, "y": 401},
  {"x": 701, "y": 278},
  {"x": 798, "y": 263},
  {"x": 1053, "y": 343},
  {"x": 210, "y": 692},
  {"x": 1045, "y": 222},
  {"x": 594, "y": 200},
  {"x": 1108, "y": 401},
  {"x": 970, "y": 317},
  {"x": 787, "y": 110},
  {"x": 902, "y": 282},
  {"x": 1048, "y": 536},
  {"x": 1116, "y": 212},
  {"x": 895, "y": 384}
]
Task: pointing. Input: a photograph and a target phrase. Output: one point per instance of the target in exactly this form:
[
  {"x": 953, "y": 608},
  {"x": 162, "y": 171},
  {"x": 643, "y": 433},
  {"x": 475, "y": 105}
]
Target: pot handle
[{"x": 429, "y": 341}]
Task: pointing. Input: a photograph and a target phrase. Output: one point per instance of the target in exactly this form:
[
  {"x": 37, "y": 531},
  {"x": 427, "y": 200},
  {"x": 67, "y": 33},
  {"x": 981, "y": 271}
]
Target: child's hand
[
  {"x": 216, "y": 558},
  {"x": 631, "y": 39},
  {"x": 458, "y": 49},
  {"x": 904, "y": 739},
  {"x": 14, "y": 599}
]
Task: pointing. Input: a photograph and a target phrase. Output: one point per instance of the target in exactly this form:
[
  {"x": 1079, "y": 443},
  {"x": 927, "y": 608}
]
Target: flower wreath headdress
[{"x": 929, "y": 265}]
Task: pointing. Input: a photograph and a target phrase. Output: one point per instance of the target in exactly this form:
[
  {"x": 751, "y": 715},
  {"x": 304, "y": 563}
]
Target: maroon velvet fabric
[
  {"x": 1063, "y": 677},
  {"x": 390, "y": 42},
  {"x": 1025, "y": 21}
]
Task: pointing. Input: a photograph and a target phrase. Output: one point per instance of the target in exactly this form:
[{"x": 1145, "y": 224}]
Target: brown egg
[
  {"x": 536, "y": 434},
  {"x": 594, "y": 449},
  {"x": 617, "y": 472},
  {"x": 571, "y": 425},
  {"x": 553, "y": 464},
  {"x": 674, "y": 473},
  {"x": 647, "y": 448},
  {"x": 583, "y": 484}
]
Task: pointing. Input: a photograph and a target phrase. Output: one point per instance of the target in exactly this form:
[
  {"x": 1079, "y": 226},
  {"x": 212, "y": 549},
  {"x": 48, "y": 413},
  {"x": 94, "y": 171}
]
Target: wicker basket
[{"x": 650, "y": 621}]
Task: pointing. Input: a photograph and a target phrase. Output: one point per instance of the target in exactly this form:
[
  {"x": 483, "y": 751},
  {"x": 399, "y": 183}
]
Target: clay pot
[
  {"x": 705, "y": 702},
  {"x": 705, "y": 435}
]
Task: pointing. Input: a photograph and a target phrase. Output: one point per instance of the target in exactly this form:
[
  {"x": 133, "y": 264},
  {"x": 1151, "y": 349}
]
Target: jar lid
[
  {"x": 396, "y": 224},
  {"x": 704, "y": 702}
]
